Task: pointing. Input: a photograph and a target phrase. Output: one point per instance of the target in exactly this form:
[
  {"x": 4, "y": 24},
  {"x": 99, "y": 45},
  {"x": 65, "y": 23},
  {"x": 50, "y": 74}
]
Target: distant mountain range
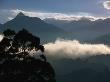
[
  {"x": 49, "y": 29},
  {"x": 47, "y": 32},
  {"x": 90, "y": 69},
  {"x": 83, "y": 28},
  {"x": 105, "y": 39},
  {"x": 0, "y": 25}
]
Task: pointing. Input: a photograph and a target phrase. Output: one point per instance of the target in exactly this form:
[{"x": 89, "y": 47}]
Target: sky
[{"x": 54, "y": 8}]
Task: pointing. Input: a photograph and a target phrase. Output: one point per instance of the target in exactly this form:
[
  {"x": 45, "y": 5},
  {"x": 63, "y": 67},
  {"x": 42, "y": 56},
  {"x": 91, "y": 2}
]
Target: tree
[
  {"x": 9, "y": 32},
  {"x": 16, "y": 63}
]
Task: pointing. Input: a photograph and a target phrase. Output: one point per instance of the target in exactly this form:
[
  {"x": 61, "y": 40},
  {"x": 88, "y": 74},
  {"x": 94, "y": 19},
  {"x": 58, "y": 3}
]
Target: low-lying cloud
[
  {"x": 74, "y": 49},
  {"x": 1, "y": 37}
]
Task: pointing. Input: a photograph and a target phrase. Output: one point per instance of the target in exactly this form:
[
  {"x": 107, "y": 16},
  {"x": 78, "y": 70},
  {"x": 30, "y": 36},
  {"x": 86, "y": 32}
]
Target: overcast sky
[{"x": 41, "y": 8}]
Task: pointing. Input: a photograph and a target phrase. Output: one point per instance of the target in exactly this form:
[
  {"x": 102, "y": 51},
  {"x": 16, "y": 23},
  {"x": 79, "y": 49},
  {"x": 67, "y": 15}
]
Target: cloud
[
  {"x": 1, "y": 37},
  {"x": 4, "y": 14},
  {"x": 72, "y": 49},
  {"x": 106, "y": 5},
  {"x": 58, "y": 16},
  {"x": 7, "y": 15}
]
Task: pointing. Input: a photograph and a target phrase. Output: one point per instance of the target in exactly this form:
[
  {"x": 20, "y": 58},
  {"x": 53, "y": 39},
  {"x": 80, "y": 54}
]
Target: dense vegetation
[{"x": 16, "y": 63}]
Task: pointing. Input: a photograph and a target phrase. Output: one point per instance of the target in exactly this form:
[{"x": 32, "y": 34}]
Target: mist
[
  {"x": 1, "y": 37},
  {"x": 74, "y": 49}
]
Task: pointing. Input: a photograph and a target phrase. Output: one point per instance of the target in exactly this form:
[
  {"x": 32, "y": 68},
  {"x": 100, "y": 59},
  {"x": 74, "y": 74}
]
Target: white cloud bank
[
  {"x": 1, "y": 37},
  {"x": 74, "y": 49},
  {"x": 106, "y": 5},
  {"x": 7, "y": 15},
  {"x": 58, "y": 16}
]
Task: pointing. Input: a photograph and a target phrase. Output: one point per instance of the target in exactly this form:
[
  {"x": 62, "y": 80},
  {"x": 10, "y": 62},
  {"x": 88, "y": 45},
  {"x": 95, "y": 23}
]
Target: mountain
[
  {"x": 69, "y": 25},
  {"x": 90, "y": 69},
  {"x": 105, "y": 39},
  {"x": 0, "y": 25},
  {"x": 86, "y": 75},
  {"x": 83, "y": 28},
  {"x": 35, "y": 25}
]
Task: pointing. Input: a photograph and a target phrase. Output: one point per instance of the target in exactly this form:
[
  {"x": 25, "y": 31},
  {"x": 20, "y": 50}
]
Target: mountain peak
[
  {"x": 0, "y": 24},
  {"x": 20, "y": 14}
]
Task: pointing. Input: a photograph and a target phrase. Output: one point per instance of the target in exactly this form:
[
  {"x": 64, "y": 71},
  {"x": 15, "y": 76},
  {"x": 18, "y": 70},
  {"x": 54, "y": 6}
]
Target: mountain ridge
[
  {"x": 84, "y": 27},
  {"x": 35, "y": 25},
  {"x": 0, "y": 24},
  {"x": 105, "y": 39}
]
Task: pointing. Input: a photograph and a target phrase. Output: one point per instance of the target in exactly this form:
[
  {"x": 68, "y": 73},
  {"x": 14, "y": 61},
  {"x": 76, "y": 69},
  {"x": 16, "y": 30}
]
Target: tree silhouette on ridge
[{"x": 16, "y": 63}]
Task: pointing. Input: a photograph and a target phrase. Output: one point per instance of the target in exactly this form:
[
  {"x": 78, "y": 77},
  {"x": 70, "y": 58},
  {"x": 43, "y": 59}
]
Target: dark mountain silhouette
[
  {"x": 0, "y": 25},
  {"x": 83, "y": 28},
  {"x": 34, "y": 25},
  {"x": 70, "y": 25},
  {"x": 91, "y": 69},
  {"x": 87, "y": 75},
  {"x": 20, "y": 15},
  {"x": 105, "y": 39}
]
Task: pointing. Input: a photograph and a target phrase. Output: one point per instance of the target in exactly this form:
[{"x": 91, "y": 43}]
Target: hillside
[
  {"x": 35, "y": 25},
  {"x": 83, "y": 28},
  {"x": 83, "y": 69},
  {"x": 0, "y": 25},
  {"x": 103, "y": 39}
]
